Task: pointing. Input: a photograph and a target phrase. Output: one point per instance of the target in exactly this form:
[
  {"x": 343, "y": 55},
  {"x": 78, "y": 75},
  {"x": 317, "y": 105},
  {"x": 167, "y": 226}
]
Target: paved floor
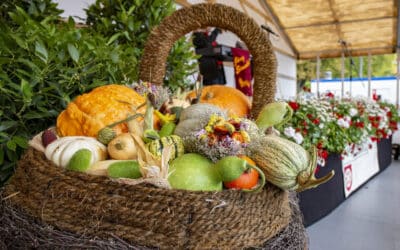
[{"x": 368, "y": 220}]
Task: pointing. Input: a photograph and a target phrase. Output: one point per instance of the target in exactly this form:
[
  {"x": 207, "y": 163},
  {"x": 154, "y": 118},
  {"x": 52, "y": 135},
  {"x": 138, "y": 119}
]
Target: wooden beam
[
  {"x": 336, "y": 20},
  {"x": 275, "y": 21},
  {"x": 398, "y": 54},
  {"x": 255, "y": 9},
  {"x": 318, "y": 74},
  {"x": 397, "y": 76},
  {"x": 243, "y": 7},
  {"x": 369, "y": 74},
  {"x": 283, "y": 52},
  {"x": 342, "y": 73},
  {"x": 397, "y": 31},
  {"x": 336, "y": 53},
  {"x": 341, "y": 22}
]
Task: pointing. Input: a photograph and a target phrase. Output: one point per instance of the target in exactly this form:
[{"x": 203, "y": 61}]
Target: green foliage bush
[
  {"x": 45, "y": 63},
  {"x": 128, "y": 23},
  {"x": 36, "y": 9}
]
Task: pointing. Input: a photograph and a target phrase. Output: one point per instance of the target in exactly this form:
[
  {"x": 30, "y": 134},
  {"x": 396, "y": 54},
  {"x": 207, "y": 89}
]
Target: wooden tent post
[
  {"x": 342, "y": 74},
  {"x": 398, "y": 54},
  {"x": 369, "y": 74},
  {"x": 397, "y": 76},
  {"x": 318, "y": 73}
]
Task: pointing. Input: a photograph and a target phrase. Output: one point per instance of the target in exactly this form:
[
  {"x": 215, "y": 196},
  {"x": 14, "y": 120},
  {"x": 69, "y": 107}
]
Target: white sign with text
[{"x": 360, "y": 168}]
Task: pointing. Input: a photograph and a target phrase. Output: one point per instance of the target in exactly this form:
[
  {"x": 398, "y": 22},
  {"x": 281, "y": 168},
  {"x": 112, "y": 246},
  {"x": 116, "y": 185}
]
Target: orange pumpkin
[
  {"x": 228, "y": 98},
  {"x": 92, "y": 111}
]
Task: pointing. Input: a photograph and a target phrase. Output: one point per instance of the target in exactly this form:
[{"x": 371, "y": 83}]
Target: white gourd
[
  {"x": 61, "y": 150},
  {"x": 54, "y": 150}
]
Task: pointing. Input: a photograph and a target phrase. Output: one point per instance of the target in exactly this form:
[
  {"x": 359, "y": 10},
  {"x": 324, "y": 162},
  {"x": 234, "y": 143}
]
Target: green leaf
[
  {"x": 32, "y": 10},
  {"x": 113, "y": 38},
  {"x": 126, "y": 34},
  {"x": 114, "y": 56},
  {"x": 71, "y": 22},
  {"x": 73, "y": 52},
  {"x": 1, "y": 156},
  {"x": 20, "y": 141},
  {"x": 16, "y": 18},
  {"x": 11, "y": 155},
  {"x": 131, "y": 9},
  {"x": 3, "y": 135},
  {"x": 61, "y": 55},
  {"x": 7, "y": 124},
  {"x": 26, "y": 90},
  {"x": 11, "y": 145},
  {"x": 28, "y": 63},
  {"x": 41, "y": 51},
  {"x": 131, "y": 25},
  {"x": 23, "y": 74},
  {"x": 42, "y": 6},
  {"x": 21, "y": 43},
  {"x": 37, "y": 115}
]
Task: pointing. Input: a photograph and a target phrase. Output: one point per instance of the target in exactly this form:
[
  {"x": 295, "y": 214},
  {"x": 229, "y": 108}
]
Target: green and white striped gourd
[
  {"x": 156, "y": 146},
  {"x": 285, "y": 163}
]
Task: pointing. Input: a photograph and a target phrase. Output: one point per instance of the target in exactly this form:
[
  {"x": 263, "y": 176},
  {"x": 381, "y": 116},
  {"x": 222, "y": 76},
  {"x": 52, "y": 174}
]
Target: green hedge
[{"x": 45, "y": 63}]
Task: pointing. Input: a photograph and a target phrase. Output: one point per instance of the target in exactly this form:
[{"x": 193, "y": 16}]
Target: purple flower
[{"x": 199, "y": 133}]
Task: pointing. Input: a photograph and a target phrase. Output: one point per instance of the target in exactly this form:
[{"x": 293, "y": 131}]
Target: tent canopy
[{"x": 326, "y": 28}]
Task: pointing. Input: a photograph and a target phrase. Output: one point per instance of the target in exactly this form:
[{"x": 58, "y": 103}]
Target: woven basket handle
[{"x": 185, "y": 20}]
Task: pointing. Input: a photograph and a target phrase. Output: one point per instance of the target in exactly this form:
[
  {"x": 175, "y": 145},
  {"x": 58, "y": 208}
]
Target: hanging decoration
[{"x": 243, "y": 74}]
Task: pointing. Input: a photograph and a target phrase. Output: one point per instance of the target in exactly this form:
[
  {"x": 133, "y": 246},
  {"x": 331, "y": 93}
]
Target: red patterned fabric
[{"x": 242, "y": 65}]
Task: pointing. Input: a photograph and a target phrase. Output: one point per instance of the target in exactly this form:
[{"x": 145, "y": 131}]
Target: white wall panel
[{"x": 74, "y": 7}]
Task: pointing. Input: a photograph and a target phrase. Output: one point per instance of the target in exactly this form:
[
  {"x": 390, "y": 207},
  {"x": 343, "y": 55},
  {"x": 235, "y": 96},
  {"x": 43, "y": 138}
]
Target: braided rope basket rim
[
  {"x": 150, "y": 216},
  {"x": 185, "y": 20}
]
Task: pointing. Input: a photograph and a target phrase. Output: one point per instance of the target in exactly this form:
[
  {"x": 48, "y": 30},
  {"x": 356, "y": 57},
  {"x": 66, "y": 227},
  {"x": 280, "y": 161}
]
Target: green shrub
[
  {"x": 36, "y": 9},
  {"x": 45, "y": 63},
  {"x": 129, "y": 22}
]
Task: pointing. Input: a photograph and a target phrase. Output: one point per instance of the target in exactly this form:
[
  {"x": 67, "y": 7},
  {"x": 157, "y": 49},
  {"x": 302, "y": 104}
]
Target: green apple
[{"x": 194, "y": 172}]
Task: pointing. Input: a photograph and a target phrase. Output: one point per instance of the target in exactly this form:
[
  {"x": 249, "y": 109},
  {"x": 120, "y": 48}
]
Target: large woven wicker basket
[{"x": 144, "y": 215}]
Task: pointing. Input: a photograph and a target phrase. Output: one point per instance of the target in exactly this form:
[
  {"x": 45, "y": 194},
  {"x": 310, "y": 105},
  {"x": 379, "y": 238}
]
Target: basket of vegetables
[{"x": 131, "y": 164}]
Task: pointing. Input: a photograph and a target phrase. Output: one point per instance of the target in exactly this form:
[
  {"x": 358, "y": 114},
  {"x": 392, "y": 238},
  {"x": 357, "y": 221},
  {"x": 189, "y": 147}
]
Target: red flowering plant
[
  {"x": 313, "y": 125},
  {"x": 343, "y": 126},
  {"x": 382, "y": 116},
  {"x": 392, "y": 115},
  {"x": 350, "y": 115}
]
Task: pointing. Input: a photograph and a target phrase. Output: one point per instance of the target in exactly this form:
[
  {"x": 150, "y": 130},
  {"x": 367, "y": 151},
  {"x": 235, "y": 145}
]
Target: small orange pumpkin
[
  {"x": 92, "y": 111},
  {"x": 225, "y": 97}
]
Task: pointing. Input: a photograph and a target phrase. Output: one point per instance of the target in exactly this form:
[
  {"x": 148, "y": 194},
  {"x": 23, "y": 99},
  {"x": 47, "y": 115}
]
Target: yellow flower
[
  {"x": 209, "y": 129},
  {"x": 245, "y": 135}
]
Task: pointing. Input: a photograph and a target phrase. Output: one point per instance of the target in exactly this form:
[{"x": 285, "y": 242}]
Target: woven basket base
[
  {"x": 18, "y": 230},
  {"x": 145, "y": 214}
]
